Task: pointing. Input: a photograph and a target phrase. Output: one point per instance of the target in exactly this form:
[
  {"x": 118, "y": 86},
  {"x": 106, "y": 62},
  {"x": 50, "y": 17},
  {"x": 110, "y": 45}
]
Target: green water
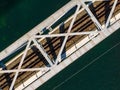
[
  {"x": 19, "y": 16},
  {"x": 103, "y": 74}
]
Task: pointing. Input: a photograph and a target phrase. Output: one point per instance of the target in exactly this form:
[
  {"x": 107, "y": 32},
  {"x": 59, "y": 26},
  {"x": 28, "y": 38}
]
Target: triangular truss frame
[{"x": 34, "y": 39}]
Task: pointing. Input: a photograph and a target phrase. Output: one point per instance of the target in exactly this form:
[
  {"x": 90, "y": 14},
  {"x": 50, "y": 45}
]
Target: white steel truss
[
  {"x": 66, "y": 37},
  {"x": 111, "y": 13},
  {"x": 19, "y": 67},
  {"x": 34, "y": 40}
]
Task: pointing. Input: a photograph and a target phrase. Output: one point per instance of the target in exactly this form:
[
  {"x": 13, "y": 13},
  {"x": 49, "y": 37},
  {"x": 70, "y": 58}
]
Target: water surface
[{"x": 17, "y": 17}]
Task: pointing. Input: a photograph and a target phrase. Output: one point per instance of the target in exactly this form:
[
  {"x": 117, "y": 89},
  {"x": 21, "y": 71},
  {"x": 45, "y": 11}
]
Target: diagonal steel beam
[
  {"x": 41, "y": 49},
  {"x": 25, "y": 70},
  {"x": 64, "y": 34},
  {"x": 67, "y": 35},
  {"x": 20, "y": 64},
  {"x": 96, "y": 22},
  {"x": 111, "y": 13},
  {"x": 68, "y": 10}
]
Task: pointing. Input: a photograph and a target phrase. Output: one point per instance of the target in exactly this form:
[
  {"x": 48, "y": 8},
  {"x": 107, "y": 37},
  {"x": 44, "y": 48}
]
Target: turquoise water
[
  {"x": 102, "y": 74},
  {"x": 19, "y": 16}
]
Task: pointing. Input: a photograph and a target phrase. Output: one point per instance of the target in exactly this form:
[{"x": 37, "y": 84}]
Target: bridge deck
[{"x": 52, "y": 45}]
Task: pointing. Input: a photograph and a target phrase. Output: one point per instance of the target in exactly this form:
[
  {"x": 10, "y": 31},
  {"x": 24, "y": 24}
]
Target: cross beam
[
  {"x": 64, "y": 34},
  {"x": 67, "y": 35},
  {"x": 20, "y": 64},
  {"x": 25, "y": 70},
  {"x": 96, "y": 22}
]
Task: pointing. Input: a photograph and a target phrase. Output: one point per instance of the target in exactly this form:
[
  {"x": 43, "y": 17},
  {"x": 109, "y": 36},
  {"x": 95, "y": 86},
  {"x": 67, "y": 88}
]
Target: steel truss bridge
[{"x": 46, "y": 46}]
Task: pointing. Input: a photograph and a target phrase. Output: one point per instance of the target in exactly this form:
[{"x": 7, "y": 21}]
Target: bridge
[{"x": 57, "y": 42}]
